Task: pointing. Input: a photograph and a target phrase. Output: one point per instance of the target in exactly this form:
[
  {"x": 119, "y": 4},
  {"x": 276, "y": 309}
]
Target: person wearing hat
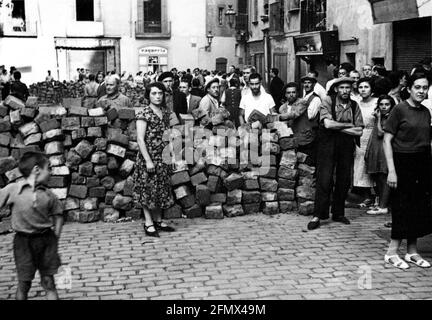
[
  {"x": 341, "y": 125},
  {"x": 210, "y": 103},
  {"x": 305, "y": 120},
  {"x": 318, "y": 88},
  {"x": 175, "y": 100}
]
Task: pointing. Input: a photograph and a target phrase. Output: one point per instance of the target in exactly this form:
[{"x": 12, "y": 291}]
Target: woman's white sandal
[
  {"x": 422, "y": 263},
  {"x": 396, "y": 261}
]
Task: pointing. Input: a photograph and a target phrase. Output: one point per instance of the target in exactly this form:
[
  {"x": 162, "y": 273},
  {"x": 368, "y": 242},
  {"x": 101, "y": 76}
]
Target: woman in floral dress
[{"x": 152, "y": 174}]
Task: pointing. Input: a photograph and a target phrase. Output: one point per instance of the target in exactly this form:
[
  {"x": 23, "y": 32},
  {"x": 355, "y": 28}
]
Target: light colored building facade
[
  {"x": 296, "y": 36},
  {"x": 106, "y": 35}
]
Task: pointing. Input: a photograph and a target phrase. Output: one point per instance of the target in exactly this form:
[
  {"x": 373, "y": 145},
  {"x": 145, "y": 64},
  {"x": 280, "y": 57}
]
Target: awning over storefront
[
  {"x": 395, "y": 10},
  {"x": 86, "y": 43}
]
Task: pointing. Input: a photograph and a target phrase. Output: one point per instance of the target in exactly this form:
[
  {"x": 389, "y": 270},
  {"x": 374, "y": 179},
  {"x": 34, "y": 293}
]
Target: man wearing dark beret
[{"x": 175, "y": 100}]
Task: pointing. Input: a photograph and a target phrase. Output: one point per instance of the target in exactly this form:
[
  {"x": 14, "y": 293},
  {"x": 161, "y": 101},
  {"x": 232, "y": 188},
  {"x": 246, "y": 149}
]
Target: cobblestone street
[{"x": 252, "y": 257}]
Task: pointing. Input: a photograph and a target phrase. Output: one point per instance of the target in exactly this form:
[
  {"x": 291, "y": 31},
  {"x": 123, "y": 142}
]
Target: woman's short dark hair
[
  {"x": 386, "y": 97},
  {"x": 416, "y": 76},
  {"x": 368, "y": 80},
  {"x": 30, "y": 160},
  {"x": 92, "y": 77},
  {"x": 157, "y": 85}
]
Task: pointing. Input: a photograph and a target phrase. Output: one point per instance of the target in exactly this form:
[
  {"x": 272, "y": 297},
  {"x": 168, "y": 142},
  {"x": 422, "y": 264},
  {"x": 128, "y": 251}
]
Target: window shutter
[
  {"x": 275, "y": 17},
  {"x": 140, "y": 15},
  {"x": 164, "y": 17}
]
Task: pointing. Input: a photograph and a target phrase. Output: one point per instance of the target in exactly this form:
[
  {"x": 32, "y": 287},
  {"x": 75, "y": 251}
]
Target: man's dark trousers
[{"x": 335, "y": 151}]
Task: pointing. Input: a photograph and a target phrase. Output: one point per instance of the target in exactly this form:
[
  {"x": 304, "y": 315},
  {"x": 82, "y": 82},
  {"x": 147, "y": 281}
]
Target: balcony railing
[
  {"x": 153, "y": 29},
  {"x": 22, "y": 29},
  {"x": 313, "y": 16}
]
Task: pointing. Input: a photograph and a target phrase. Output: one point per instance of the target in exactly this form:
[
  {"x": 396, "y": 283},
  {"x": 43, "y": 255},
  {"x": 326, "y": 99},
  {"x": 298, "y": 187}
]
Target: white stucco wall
[{"x": 54, "y": 17}]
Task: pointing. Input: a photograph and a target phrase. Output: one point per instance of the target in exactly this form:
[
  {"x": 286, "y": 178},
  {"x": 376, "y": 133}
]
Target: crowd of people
[{"x": 371, "y": 129}]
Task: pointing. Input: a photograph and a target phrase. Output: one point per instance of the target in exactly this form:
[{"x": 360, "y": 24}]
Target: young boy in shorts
[{"x": 37, "y": 219}]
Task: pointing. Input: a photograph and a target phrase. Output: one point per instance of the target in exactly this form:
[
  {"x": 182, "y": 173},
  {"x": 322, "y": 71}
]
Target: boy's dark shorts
[{"x": 36, "y": 252}]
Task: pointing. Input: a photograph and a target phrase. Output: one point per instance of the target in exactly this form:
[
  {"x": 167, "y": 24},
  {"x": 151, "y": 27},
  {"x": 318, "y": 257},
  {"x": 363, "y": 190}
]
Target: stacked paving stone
[
  {"x": 55, "y": 92},
  {"x": 92, "y": 153},
  {"x": 215, "y": 188}
]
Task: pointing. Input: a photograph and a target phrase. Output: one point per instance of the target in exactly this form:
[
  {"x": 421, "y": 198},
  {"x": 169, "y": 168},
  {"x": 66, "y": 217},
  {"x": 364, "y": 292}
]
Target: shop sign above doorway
[
  {"x": 153, "y": 51},
  {"x": 395, "y": 10}
]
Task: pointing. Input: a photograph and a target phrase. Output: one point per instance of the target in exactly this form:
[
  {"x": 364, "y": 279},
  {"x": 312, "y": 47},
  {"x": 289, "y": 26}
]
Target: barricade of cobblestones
[{"x": 93, "y": 152}]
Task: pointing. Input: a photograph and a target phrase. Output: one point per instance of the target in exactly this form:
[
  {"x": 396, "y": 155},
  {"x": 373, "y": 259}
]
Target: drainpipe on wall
[
  {"x": 266, "y": 56},
  {"x": 130, "y": 18},
  {"x": 39, "y": 30}
]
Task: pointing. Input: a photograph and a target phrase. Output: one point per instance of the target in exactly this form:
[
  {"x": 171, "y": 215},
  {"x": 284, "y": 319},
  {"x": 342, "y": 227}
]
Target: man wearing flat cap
[
  {"x": 210, "y": 103},
  {"x": 175, "y": 100},
  {"x": 304, "y": 120},
  {"x": 341, "y": 126}
]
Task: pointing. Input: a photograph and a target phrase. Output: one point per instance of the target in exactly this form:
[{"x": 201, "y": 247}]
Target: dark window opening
[
  {"x": 153, "y": 16},
  {"x": 351, "y": 58},
  {"x": 313, "y": 15},
  {"x": 18, "y": 15},
  {"x": 378, "y": 61},
  {"x": 85, "y": 10},
  {"x": 220, "y": 16}
]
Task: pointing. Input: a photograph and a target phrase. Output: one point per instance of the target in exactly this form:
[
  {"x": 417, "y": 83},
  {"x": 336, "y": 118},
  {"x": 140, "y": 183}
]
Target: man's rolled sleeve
[
  {"x": 358, "y": 118},
  {"x": 325, "y": 109}
]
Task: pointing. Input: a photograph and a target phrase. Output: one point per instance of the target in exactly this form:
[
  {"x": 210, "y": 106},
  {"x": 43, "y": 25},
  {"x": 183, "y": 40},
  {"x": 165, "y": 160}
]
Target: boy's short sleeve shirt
[{"x": 32, "y": 212}]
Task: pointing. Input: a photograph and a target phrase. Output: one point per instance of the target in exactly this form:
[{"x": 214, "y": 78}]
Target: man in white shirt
[
  {"x": 318, "y": 88},
  {"x": 312, "y": 99},
  {"x": 256, "y": 99},
  {"x": 303, "y": 116}
]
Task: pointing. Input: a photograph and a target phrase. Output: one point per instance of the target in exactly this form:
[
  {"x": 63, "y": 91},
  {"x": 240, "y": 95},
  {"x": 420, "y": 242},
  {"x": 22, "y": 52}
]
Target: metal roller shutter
[{"x": 412, "y": 42}]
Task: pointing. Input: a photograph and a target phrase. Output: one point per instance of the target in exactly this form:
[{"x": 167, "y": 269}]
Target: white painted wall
[{"x": 188, "y": 19}]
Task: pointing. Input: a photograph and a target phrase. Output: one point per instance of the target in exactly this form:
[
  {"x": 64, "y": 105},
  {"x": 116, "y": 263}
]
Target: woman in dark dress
[
  {"x": 376, "y": 164},
  {"x": 152, "y": 173},
  {"x": 407, "y": 149}
]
